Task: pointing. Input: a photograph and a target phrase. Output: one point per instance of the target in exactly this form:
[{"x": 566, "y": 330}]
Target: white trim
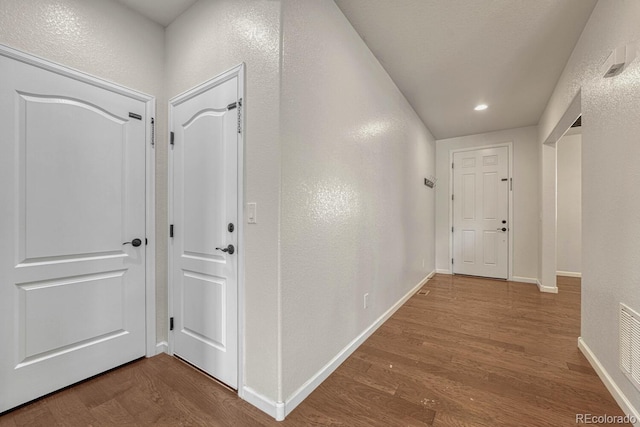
[
  {"x": 241, "y": 224},
  {"x": 429, "y": 276},
  {"x": 239, "y": 72},
  {"x": 305, "y": 390},
  {"x": 549, "y": 222},
  {"x": 443, "y": 271},
  {"x": 150, "y": 229},
  {"x": 624, "y": 403},
  {"x": 546, "y": 289},
  {"x": 512, "y": 228},
  {"x": 568, "y": 273},
  {"x": 162, "y": 347},
  {"x": 150, "y": 161},
  {"x": 266, "y": 405},
  {"x": 524, "y": 279}
]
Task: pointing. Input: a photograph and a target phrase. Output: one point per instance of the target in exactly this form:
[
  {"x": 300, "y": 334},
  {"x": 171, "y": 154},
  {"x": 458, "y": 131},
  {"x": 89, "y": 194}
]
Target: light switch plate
[{"x": 251, "y": 213}]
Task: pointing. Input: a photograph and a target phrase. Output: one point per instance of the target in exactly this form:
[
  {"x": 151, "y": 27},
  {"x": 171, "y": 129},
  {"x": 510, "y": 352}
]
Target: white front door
[
  {"x": 205, "y": 127},
  {"x": 72, "y": 191},
  {"x": 481, "y": 212}
]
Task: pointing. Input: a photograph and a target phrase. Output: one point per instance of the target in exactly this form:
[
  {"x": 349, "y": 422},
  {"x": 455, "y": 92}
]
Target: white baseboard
[
  {"x": 524, "y": 279},
  {"x": 266, "y": 405},
  {"x": 547, "y": 289},
  {"x": 569, "y": 273},
  {"x": 305, "y": 390},
  {"x": 613, "y": 388},
  {"x": 162, "y": 347},
  {"x": 443, "y": 271}
]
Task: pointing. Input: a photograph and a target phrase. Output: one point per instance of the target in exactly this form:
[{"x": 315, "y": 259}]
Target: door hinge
[
  {"x": 146, "y": 241},
  {"x": 171, "y": 230},
  {"x": 153, "y": 132},
  {"x": 452, "y": 197},
  {"x": 172, "y": 139},
  {"x": 452, "y": 229},
  {"x": 171, "y": 323},
  {"x": 451, "y": 261},
  {"x": 135, "y": 116},
  {"x": 510, "y": 184},
  {"x": 451, "y": 165}
]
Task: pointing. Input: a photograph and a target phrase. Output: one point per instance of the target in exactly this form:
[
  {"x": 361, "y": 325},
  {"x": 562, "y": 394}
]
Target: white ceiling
[
  {"x": 161, "y": 11},
  {"x": 447, "y": 56}
]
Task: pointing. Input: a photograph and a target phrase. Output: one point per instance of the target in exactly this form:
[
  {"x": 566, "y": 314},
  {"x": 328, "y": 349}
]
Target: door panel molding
[
  {"x": 32, "y": 266},
  {"x": 512, "y": 228},
  {"x": 198, "y": 255}
]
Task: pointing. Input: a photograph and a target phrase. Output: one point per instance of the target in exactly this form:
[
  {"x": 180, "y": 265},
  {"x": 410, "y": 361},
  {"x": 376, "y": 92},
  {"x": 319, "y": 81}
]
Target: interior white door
[
  {"x": 205, "y": 228},
  {"x": 72, "y": 191},
  {"x": 481, "y": 186}
]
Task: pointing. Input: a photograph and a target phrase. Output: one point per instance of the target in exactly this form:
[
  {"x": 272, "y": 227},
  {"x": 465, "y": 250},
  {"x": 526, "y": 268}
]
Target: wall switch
[
  {"x": 251, "y": 213},
  {"x": 366, "y": 300}
]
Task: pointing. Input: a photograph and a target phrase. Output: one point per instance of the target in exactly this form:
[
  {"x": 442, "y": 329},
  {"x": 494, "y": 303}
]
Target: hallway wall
[
  {"x": 610, "y": 149},
  {"x": 356, "y": 215}
]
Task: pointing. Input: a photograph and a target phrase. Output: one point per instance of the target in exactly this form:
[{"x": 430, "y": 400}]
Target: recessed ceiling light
[{"x": 481, "y": 107}]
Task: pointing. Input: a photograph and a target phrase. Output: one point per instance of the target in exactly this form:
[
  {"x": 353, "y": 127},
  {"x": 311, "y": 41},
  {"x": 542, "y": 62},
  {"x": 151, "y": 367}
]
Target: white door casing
[
  {"x": 205, "y": 123},
  {"x": 73, "y": 190},
  {"x": 481, "y": 185}
]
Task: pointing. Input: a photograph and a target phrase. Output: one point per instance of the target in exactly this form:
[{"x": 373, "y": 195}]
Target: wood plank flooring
[{"x": 473, "y": 352}]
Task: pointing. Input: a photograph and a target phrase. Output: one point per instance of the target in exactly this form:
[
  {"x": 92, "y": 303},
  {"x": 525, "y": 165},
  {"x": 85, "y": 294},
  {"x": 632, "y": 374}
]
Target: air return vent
[{"x": 630, "y": 344}]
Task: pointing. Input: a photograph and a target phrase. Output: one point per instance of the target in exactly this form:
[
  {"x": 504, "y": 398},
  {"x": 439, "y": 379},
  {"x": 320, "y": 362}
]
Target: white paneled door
[
  {"x": 481, "y": 184},
  {"x": 205, "y": 126},
  {"x": 72, "y": 193}
]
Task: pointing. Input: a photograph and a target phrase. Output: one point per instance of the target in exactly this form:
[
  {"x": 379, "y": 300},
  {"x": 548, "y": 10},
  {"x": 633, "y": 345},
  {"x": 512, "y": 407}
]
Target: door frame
[
  {"x": 239, "y": 72},
  {"x": 150, "y": 167},
  {"x": 509, "y": 146},
  {"x": 547, "y": 282}
]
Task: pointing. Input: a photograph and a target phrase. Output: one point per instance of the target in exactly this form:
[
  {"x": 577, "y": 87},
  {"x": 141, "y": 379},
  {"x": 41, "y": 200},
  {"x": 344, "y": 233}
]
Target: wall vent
[{"x": 630, "y": 344}]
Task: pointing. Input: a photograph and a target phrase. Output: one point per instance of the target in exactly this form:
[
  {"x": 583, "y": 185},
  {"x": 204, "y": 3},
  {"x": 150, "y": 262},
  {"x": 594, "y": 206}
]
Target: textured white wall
[
  {"x": 208, "y": 39},
  {"x": 356, "y": 216},
  {"x": 569, "y": 201},
  {"x": 525, "y": 196},
  {"x": 100, "y": 37},
  {"x": 610, "y": 176},
  {"x": 107, "y": 40}
]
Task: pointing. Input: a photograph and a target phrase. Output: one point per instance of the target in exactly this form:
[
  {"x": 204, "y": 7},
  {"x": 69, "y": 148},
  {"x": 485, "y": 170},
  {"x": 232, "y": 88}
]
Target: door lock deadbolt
[{"x": 231, "y": 227}]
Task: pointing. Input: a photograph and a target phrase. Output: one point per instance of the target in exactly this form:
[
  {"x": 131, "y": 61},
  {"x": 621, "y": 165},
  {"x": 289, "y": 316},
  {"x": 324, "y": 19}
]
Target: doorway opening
[
  {"x": 569, "y": 203},
  {"x": 553, "y": 213}
]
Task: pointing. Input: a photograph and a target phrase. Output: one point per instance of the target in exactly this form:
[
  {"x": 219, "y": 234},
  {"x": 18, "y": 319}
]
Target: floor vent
[
  {"x": 630, "y": 344},
  {"x": 423, "y": 292}
]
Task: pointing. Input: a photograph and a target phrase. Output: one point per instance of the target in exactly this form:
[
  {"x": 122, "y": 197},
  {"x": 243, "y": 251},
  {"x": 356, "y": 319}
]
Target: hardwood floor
[{"x": 472, "y": 352}]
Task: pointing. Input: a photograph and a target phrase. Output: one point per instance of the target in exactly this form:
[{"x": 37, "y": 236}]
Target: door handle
[
  {"x": 501, "y": 229},
  {"x": 229, "y": 249},
  {"x": 135, "y": 243}
]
